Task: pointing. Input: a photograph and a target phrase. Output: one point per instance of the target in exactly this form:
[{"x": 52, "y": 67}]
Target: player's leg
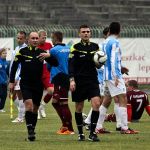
[
  {"x": 67, "y": 116},
  {"x": 103, "y": 110},
  {"x": 79, "y": 119},
  {"x": 47, "y": 97},
  {"x": 3, "y": 96},
  {"x": 116, "y": 111}
]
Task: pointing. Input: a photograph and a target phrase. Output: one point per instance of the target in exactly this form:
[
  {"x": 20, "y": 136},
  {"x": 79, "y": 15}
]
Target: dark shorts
[
  {"x": 61, "y": 87},
  {"x": 32, "y": 91},
  {"x": 85, "y": 89}
]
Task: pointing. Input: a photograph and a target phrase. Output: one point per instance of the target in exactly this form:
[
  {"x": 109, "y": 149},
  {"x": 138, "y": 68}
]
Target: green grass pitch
[{"x": 12, "y": 136}]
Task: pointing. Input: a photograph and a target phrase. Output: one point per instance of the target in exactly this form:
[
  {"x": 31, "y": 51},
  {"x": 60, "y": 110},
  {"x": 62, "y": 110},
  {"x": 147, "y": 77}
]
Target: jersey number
[{"x": 140, "y": 104}]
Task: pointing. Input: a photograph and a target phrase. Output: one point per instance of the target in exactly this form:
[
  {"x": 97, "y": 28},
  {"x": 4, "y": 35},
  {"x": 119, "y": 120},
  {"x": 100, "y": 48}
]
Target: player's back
[{"x": 138, "y": 100}]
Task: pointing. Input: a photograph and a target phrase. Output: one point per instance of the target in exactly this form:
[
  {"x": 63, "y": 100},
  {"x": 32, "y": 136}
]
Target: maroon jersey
[{"x": 138, "y": 101}]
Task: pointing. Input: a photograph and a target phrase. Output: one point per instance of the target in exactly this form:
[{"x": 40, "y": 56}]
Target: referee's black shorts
[
  {"x": 85, "y": 89},
  {"x": 32, "y": 91}
]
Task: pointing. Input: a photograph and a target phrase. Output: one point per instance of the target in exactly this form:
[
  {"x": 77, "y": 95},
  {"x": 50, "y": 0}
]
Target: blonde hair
[{"x": 2, "y": 50}]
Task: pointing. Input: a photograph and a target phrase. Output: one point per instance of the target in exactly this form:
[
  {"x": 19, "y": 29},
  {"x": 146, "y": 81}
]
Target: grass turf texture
[{"x": 12, "y": 136}]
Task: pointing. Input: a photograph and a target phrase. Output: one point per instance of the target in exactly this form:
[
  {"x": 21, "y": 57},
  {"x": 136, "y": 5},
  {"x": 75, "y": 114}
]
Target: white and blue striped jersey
[
  {"x": 112, "y": 68},
  {"x": 17, "y": 76}
]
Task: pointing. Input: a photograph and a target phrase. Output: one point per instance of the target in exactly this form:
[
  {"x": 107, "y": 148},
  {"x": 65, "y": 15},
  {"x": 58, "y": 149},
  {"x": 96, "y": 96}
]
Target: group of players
[{"x": 34, "y": 58}]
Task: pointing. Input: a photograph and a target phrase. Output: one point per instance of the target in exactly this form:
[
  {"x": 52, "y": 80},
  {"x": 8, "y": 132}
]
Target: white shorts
[
  {"x": 101, "y": 87},
  {"x": 115, "y": 90},
  {"x": 17, "y": 86}
]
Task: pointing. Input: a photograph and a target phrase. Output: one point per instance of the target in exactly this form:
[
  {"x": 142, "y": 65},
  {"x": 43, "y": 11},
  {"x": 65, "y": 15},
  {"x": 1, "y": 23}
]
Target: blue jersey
[
  {"x": 112, "y": 67},
  {"x": 61, "y": 53},
  {"x": 3, "y": 71}
]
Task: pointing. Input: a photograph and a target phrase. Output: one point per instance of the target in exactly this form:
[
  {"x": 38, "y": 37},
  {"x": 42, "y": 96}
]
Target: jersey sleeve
[{"x": 14, "y": 67}]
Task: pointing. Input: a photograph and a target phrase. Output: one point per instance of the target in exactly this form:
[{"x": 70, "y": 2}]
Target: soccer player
[
  {"x": 113, "y": 77},
  {"x": 46, "y": 46},
  {"x": 137, "y": 101},
  {"x": 31, "y": 80},
  {"x": 83, "y": 81},
  {"x": 17, "y": 96},
  {"x": 3, "y": 78},
  {"x": 60, "y": 79}
]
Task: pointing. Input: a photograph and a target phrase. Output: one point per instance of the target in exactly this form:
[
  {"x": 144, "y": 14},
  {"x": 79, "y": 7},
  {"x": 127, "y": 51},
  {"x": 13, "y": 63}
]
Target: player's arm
[
  {"x": 71, "y": 68},
  {"x": 147, "y": 106},
  {"x": 48, "y": 58},
  {"x": 129, "y": 107},
  {"x": 14, "y": 68}
]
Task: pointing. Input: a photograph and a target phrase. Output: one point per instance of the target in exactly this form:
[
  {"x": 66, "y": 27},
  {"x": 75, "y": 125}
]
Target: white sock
[
  {"x": 102, "y": 115},
  {"x": 123, "y": 117},
  {"x": 116, "y": 110},
  {"x": 43, "y": 103},
  {"x": 16, "y": 102},
  {"x": 88, "y": 119},
  {"x": 21, "y": 111}
]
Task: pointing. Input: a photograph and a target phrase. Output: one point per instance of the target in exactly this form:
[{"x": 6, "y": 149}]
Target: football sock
[
  {"x": 79, "y": 122},
  {"x": 34, "y": 120},
  {"x": 47, "y": 98},
  {"x": 57, "y": 107},
  {"x": 116, "y": 111},
  {"x": 94, "y": 119},
  {"x": 21, "y": 109},
  {"x": 16, "y": 102},
  {"x": 28, "y": 118},
  {"x": 123, "y": 117},
  {"x": 67, "y": 117},
  {"x": 102, "y": 114},
  {"x": 88, "y": 119}
]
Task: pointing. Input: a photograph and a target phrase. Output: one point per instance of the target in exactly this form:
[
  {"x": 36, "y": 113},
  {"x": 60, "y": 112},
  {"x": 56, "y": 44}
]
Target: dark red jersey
[
  {"x": 46, "y": 75},
  {"x": 138, "y": 100},
  {"x": 46, "y": 46}
]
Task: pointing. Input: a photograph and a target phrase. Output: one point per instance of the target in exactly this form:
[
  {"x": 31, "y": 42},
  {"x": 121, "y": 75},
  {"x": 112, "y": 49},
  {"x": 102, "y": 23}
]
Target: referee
[
  {"x": 83, "y": 81},
  {"x": 31, "y": 80}
]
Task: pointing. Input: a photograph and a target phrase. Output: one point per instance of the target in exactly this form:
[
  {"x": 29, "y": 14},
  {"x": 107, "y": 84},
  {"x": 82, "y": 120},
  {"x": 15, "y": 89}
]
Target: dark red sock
[
  {"x": 67, "y": 116},
  {"x": 58, "y": 109},
  {"x": 47, "y": 98}
]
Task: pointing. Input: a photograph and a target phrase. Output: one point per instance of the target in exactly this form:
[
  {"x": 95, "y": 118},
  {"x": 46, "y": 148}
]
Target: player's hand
[
  {"x": 11, "y": 87},
  {"x": 116, "y": 81},
  {"x": 72, "y": 85},
  {"x": 42, "y": 56},
  {"x": 124, "y": 70}
]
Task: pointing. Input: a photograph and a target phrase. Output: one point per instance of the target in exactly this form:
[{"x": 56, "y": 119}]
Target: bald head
[{"x": 33, "y": 39}]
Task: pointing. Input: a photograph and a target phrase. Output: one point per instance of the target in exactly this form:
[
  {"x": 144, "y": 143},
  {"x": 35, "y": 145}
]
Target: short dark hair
[
  {"x": 114, "y": 28},
  {"x": 58, "y": 35},
  {"x": 105, "y": 31},
  {"x": 133, "y": 83},
  {"x": 84, "y": 26},
  {"x": 23, "y": 32}
]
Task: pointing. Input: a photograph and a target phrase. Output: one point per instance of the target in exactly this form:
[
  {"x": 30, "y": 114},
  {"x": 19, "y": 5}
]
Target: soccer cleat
[
  {"x": 81, "y": 137},
  {"x": 118, "y": 128},
  {"x": 67, "y": 132},
  {"x": 62, "y": 130},
  {"x": 43, "y": 114},
  {"x": 18, "y": 120},
  {"x": 31, "y": 135},
  {"x": 93, "y": 137},
  {"x": 102, "y": 131},
  {"x": 129, "y": 131},
  {"x": 2, "y": 111}
]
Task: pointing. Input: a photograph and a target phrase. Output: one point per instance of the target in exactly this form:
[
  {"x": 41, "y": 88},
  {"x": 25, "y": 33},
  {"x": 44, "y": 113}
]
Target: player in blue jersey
[
  {"x": 115, "y": 85},
  {"x": 3, "y": 78},
  {"x": 60, "y": 79}
]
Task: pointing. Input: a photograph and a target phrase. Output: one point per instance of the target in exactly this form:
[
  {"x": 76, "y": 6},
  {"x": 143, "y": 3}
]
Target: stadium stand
[{"x": 66, "y": 15}]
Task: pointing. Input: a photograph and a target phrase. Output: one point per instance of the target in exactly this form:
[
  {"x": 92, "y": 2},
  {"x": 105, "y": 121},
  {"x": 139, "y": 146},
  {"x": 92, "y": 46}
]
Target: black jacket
[
  {"x": 81, "y": 62},
  {"x": 31, "y": 66}
]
